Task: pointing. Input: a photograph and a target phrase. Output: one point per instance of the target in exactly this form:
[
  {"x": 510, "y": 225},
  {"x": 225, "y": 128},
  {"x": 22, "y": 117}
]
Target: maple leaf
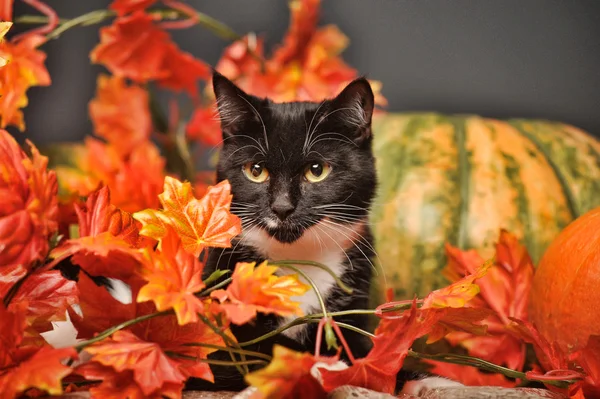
[
  {"x": 393, "y": 338},
  {"x": 123, "y": 7},
  {"x": 174, "y": 277},
  {"x": 149, "y": 56},
  {"x": 4, "y": 28},
  {"x": 93, "y": 303},
  {"x": 151, "y": 367},
  {"x": 28, "y": 204},
  {"x": 117, "y": 385},
  {"x": 504, "y": 290},
  {"x": 258, "y": 289},
  {"x": 120, "y": 114},
  {"x": 24, "y": 69},
  {"x": 47, "y": 295},
  {"x": 44, "y": 370},
  {"x": 287, "y": 376},
  {"x": 11, "y": 333},
  {"x": 469, "y": 376},
  {"x": 199, "y": 223}
]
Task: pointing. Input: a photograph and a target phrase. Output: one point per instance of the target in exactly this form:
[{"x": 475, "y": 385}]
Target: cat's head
[{"x": 293, "y": 164}]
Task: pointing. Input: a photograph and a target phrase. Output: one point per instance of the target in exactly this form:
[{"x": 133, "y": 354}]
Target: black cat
[{"x": 303, "y": 177}]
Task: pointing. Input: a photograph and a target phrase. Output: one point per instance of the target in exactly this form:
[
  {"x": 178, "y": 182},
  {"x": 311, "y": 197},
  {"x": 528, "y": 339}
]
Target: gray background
[{"x": 497, "y": 58}]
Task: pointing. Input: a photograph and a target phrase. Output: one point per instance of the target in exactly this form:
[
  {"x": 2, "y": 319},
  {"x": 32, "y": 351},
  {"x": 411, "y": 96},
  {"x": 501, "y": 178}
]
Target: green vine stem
[
  {"x": 213, "y": 25},
  {"x": 107, "y": 333},
  {"x": 207, "y": 291},
  {"x": 311, "y": 283},
  {"x": 243, "y": 369},
  {"x": 229, "y": 349}
]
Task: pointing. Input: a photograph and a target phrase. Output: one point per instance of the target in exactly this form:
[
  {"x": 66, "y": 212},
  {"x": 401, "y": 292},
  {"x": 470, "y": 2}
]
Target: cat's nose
[{"x": 282, "y": 207}]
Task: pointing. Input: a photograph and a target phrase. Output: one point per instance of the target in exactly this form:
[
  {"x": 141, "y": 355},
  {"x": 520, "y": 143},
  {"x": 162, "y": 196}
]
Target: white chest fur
[{"x": 325, "y": 243}]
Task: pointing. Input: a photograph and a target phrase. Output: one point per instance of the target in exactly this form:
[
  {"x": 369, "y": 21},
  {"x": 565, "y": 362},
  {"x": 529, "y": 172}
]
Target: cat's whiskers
[
  {"x": 261, "y": 121},
  {"x": 308, "y": 130},
  {"x": 321, "y": 121},
  {"x": 245, "y": 229},
  {"x": 238, "y": 136},
  {"x": 336, "y": 227},
  {"x": 322, "y": 230},
  {"x": 244, "y": 147}
]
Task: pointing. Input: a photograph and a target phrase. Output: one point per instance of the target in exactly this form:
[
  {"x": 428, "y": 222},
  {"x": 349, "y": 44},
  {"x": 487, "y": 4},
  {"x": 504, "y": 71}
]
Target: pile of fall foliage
[{"x": 130, "y": 206}]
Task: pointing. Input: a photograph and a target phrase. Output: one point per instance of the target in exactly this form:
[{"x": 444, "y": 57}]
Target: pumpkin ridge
[
  {"x": 571, "y": 203},
  {"x": 464, "y": 168}
]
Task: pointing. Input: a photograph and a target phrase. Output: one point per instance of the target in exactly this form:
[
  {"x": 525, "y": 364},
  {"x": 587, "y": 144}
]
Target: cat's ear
[
  {"x": 234, "y": 105},
  {"x": 354, "y": 107}
]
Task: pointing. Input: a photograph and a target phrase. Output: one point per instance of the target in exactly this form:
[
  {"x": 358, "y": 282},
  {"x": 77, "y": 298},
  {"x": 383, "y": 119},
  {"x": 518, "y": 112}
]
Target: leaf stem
[
  {"x": 321, "y": 266},
  {"x": 229, "y": 349},
  {"x": 107, "y": 333},
  {"x": 213, "y": 288},
  {"x": 243, "y": 370},
  {"x": 215, "y": 362},
  {"x": 482, "y": 364}
]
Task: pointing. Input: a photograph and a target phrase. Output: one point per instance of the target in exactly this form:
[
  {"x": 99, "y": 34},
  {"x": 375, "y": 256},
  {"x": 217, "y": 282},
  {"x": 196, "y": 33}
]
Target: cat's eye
[
  {"x": 317, "y": 171},
  {"x": 256, "y": 172}
]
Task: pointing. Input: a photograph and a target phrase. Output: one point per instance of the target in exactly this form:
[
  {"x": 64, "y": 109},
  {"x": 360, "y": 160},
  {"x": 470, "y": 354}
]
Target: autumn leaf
[
  {"x": 258, "y": 289},
  {"x": 457, "y": 294},
  {"x": 146, "y": 57},
  {"x": 205, "y": 127},
  {"x": 48, "y": 295},
  {"x": 287, "y": 376},
  {"x": 589, "y": 359},
  {"x": 468, "y": 375},
  {"x": 44, "y": 370},
  {"x": 393, "y": 338},
  {"x": 4, "y": 28},
  {"x": 467, "y": 320},
  {"x": 24, "y": 69},
  {"x": 199, "y": 223},
  {"x": 123, "y": 7},
  {"x": 174, "y": 277},
  {"x": 98, "y": 162},
  {"x": 11, "y": 333},
  {"x": 28, "y": 204},
  {"x": 504, "y": 290},
  {"x": 93, "y": 302},
  {"x": 120, "y": 114},
  {"x": 151, "y": 367}
]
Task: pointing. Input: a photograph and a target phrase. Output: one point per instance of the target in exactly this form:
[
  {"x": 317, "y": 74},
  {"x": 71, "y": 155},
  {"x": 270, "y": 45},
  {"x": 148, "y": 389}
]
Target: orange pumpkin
[{"x": 565, "y": 297}]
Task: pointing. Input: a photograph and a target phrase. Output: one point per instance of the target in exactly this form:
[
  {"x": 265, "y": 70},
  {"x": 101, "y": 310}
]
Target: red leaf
[
  {"x": 48, "y": 296},
  {"x": 393, "y": 339},
  {"x": 11, "y": 333},
  {"x": 43, "y": 371},
  {"x": 152, "y": 369},
  {"x": 504, "y": 290},
  {"x": 123, "y": 7},
  {"x": 589, "y": 359}
]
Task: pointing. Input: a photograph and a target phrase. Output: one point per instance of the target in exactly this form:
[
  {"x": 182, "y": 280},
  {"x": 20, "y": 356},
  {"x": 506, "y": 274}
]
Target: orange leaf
[
  {"x": 25, "y": 68},
  {"x": 120, "y": 114},
  {"x": 393, "y": 339},
  {"x": 152, "y": 369},
  {"x": 173, "y": 276},
  {"x": 504, "y": 290},
  {"x": 287, "y": 376},
  {"x": 28, "y": 204},
  {"x": 457, "y": 294},
  {"x": 43, "y": 370},
  {"x": 589, "y": 360},
  {"x": 469, "y": 376},
  {"x": 11, "y": 333},
  {"x": 205, "y": 127},
  {"x": 150, "y": 56},
  {"x": 48, "y": 295},
  {"x": 199, "y": 223},
  {"x": 258, "y": 289}
]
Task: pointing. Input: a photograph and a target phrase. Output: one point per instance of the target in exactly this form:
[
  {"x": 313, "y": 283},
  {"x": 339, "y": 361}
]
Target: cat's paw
[{"x": 418, "y": 387}]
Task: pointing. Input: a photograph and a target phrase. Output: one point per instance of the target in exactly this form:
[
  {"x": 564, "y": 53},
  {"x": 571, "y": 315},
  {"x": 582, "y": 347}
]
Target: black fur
[{"x": 286, "y": 138}]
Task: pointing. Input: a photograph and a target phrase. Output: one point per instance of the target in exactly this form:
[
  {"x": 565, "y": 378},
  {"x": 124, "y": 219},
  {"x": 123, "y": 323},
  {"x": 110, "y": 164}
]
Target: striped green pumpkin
[{"x": 459, "y": 179}]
